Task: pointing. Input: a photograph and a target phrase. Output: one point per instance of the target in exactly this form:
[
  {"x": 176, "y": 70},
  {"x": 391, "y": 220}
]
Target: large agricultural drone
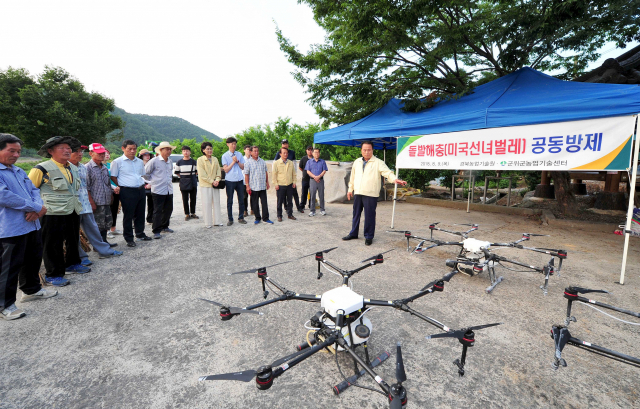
[
  {"x": 478, "y": 253},
  {"x": 341, "y": 326},
  {"x": 562, "y": 336}
]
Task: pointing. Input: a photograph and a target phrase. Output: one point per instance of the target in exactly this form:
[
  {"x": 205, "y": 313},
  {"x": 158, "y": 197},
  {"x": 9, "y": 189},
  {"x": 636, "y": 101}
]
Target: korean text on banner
[{"x": 594, "y": 144}]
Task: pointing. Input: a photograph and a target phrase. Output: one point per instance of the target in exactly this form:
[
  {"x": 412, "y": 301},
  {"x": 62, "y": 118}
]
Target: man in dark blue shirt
[{"x": 292, "y": 156}]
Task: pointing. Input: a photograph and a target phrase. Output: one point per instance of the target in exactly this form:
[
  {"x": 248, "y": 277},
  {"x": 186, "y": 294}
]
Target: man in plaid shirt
[{"x": 256, "y": 177}]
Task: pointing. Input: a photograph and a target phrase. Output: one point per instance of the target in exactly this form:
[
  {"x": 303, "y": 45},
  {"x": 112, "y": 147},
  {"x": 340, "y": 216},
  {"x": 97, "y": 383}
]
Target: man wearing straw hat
[{"x": 159, "y": 173}]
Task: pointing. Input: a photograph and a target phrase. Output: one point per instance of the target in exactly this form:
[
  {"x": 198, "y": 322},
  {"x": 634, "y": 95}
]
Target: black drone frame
[
  {"x": 490, "y": 259},
  {"x": 326, "y": 336},
  {"x": 562, "y": 336}
]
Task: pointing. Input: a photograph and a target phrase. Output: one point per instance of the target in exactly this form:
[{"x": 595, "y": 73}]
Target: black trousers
[
  {"x": 186, "y": 196},
  {"x": 246, "y": 199},
  {"x": 259, "y": 196},
  {"x": 20, "y": 259},
  {"x": 284, "y": 197},
  {"x": 132, "y": 199},
  {"x": 149, "y": 207},
  {"x": 369, "y": 205},
  {"x": 305, "y": 192},
  {"x": 240, "y": 190},
  {"x": 162, "y": 209},
  {"x": 60, "y": 234},
  {"x": 114, "y": 208},
  {"x": 289, "y": 203}
]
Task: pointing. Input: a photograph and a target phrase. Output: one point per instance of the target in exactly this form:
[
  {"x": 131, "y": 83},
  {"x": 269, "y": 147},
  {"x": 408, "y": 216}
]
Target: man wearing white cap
[{"x": 160, "y": 175}]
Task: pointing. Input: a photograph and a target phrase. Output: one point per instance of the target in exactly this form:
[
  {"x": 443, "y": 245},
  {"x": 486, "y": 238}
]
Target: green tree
[
  {"x": 375, "y": 50},
  {"x": 53, "y": 104},
  {"x": 423, "y": 51}
]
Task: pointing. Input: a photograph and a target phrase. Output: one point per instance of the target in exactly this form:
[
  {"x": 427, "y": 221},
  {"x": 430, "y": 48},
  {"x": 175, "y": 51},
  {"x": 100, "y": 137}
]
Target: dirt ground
[{"x": 133, "y": 334}]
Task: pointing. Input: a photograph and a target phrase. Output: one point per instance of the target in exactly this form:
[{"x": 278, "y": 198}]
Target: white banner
[{"x": 594, "y": 144}]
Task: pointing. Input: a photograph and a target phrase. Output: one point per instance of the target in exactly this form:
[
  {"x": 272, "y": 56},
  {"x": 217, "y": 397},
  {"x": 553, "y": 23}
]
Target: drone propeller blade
[
  {"x": 376, "y": 256},
  {"x": 244, "y": 376},
  {"x": 316, "y": 252},
  {"x": 401, "y": 375},
  {"x": 254, "y": 270},
  {"x": 398, "y": 231},
  {"x": 451, "y": 334},
  {"x": 212, "y": 302},
  {"x": 535, "y": 235},
  {"x": 466, "y": 224},
  {"x": 396, "y": 403},
  {"x": 477, "y": 327},
  {"x": 583, "y": 290},
  {"x": 433, "y": 224},
  {"x": 233, "y": 310}
]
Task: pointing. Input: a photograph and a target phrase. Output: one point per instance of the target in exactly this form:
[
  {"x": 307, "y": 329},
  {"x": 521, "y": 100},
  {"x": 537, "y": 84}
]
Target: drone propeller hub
[
  {"x": 379, "y": 259},
  {"x": 398, "y": 392},
  {"x": 468, "y": 339},
  {"x": 225, "y": 314},
  {"x": 439, "y": 286},
  {"x": 262, "y": 271},
  {"x": 562, "y": 253},
  {"x": 319, "y": 256},
  {"x": 264, "y": 377},
  {"x": 407, "y": 234}
]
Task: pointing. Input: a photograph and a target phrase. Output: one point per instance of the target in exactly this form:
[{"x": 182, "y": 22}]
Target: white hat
[{"x": 164, "y": 145}]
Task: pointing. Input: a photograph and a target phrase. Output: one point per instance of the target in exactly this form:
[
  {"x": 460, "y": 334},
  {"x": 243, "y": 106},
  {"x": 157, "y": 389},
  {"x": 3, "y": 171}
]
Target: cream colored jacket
[
  {"x": 367, "y": 182},
  {"x": 208, "y": 172}
]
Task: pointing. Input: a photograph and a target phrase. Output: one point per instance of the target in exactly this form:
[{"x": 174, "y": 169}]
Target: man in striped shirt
[
  {"x": 256, "y": 178},
  {"x": 187, "y": 169}
]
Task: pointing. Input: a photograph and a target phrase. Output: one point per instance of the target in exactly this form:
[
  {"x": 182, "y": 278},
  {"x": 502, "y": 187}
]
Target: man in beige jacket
[{"x": 364, "y": 186}]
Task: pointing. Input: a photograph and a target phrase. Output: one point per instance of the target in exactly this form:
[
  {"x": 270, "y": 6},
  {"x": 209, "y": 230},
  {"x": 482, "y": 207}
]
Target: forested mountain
[{"x": 141, "y": 127}]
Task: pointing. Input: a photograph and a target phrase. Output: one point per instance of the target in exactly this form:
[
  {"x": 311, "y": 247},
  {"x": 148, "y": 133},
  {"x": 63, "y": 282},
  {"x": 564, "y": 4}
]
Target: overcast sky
[{"x": 216, "y": 64}]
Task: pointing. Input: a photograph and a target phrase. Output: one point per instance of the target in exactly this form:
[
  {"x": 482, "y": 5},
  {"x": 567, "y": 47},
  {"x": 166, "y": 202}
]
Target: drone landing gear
[
  {"x": 494, "y": 281},
  {"x": 342, "y": 386}
]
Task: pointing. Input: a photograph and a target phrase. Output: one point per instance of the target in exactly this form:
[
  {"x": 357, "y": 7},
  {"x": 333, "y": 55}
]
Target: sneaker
[
  {"x": 110, "y": 235},
  {"x": 77, "y": 269},
  {"x": 242, "y": 221},
  {"x": 56, "y": 281},
  {"x": 167, "y": 230},
  {"x": 86, "y": 262},
  {"x": 322, "y": 212},
  {"x": 222, "y": 224},
  {"x": 115, "y": 254},
  {"x": 12, "y": 313},
  {"x": 193, "y": 216},
  {"x": 256, "y": 222},
  {"x": 208, "y": 227},
  {"x": 230, "y": 222},
  {"x": 157, "y": 236},
  {"x": 268, "y": 221},
  {"x": 117, "y": 232},
  {"x": 312, "y": 214},
  {"x": 40, "y": 295}
]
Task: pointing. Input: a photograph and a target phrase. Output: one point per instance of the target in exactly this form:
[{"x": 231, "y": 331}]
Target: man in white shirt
[{"x": 233, "y": 165}]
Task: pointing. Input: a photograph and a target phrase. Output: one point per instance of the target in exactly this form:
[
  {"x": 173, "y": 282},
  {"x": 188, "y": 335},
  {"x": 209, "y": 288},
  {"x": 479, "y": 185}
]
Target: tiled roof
[{"x": 622, "y": 70}]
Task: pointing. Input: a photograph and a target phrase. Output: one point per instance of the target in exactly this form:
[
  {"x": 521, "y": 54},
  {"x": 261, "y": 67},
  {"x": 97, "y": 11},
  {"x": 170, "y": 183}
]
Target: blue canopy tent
[{"x": 525, "y": 97}]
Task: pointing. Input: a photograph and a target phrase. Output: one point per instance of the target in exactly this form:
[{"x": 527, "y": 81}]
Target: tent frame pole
[
  {"x": 395, "y": 197},
  {"x": 632, "y": 193}
]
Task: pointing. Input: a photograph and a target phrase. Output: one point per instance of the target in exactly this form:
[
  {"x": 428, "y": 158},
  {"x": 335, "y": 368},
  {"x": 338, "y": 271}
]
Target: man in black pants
[
  {"x": 20, "y": 241},
  {"x": 256, "y": 178},
  {"x": 127, "y": 172},
  {"x": 292, "y": 157},
  {"x": 160, "y": 175},
  {"x": 187, "y": 169},
  {"x": 305, "y": 178}
]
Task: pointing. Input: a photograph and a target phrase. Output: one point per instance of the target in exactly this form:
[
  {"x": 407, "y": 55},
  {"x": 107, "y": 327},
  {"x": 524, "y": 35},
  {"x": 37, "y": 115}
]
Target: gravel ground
[{"x": 133, "y": 334}]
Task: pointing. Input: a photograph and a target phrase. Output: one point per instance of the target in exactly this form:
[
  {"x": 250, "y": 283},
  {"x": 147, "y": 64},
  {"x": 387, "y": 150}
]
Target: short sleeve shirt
[
  {"x": 235, "y": 174},
  {"x": 129, "y": 172},
  {"x": 98, "y": 183},
  {"x": 257, "y": 171}
]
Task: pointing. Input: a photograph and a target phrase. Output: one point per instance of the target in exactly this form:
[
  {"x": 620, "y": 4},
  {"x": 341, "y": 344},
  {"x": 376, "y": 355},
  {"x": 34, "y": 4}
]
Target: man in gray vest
[{"x": 59, "y": 182}]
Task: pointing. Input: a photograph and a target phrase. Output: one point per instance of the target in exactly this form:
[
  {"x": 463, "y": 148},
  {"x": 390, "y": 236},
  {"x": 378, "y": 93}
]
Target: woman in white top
[{"x": 209, "y": 177}]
